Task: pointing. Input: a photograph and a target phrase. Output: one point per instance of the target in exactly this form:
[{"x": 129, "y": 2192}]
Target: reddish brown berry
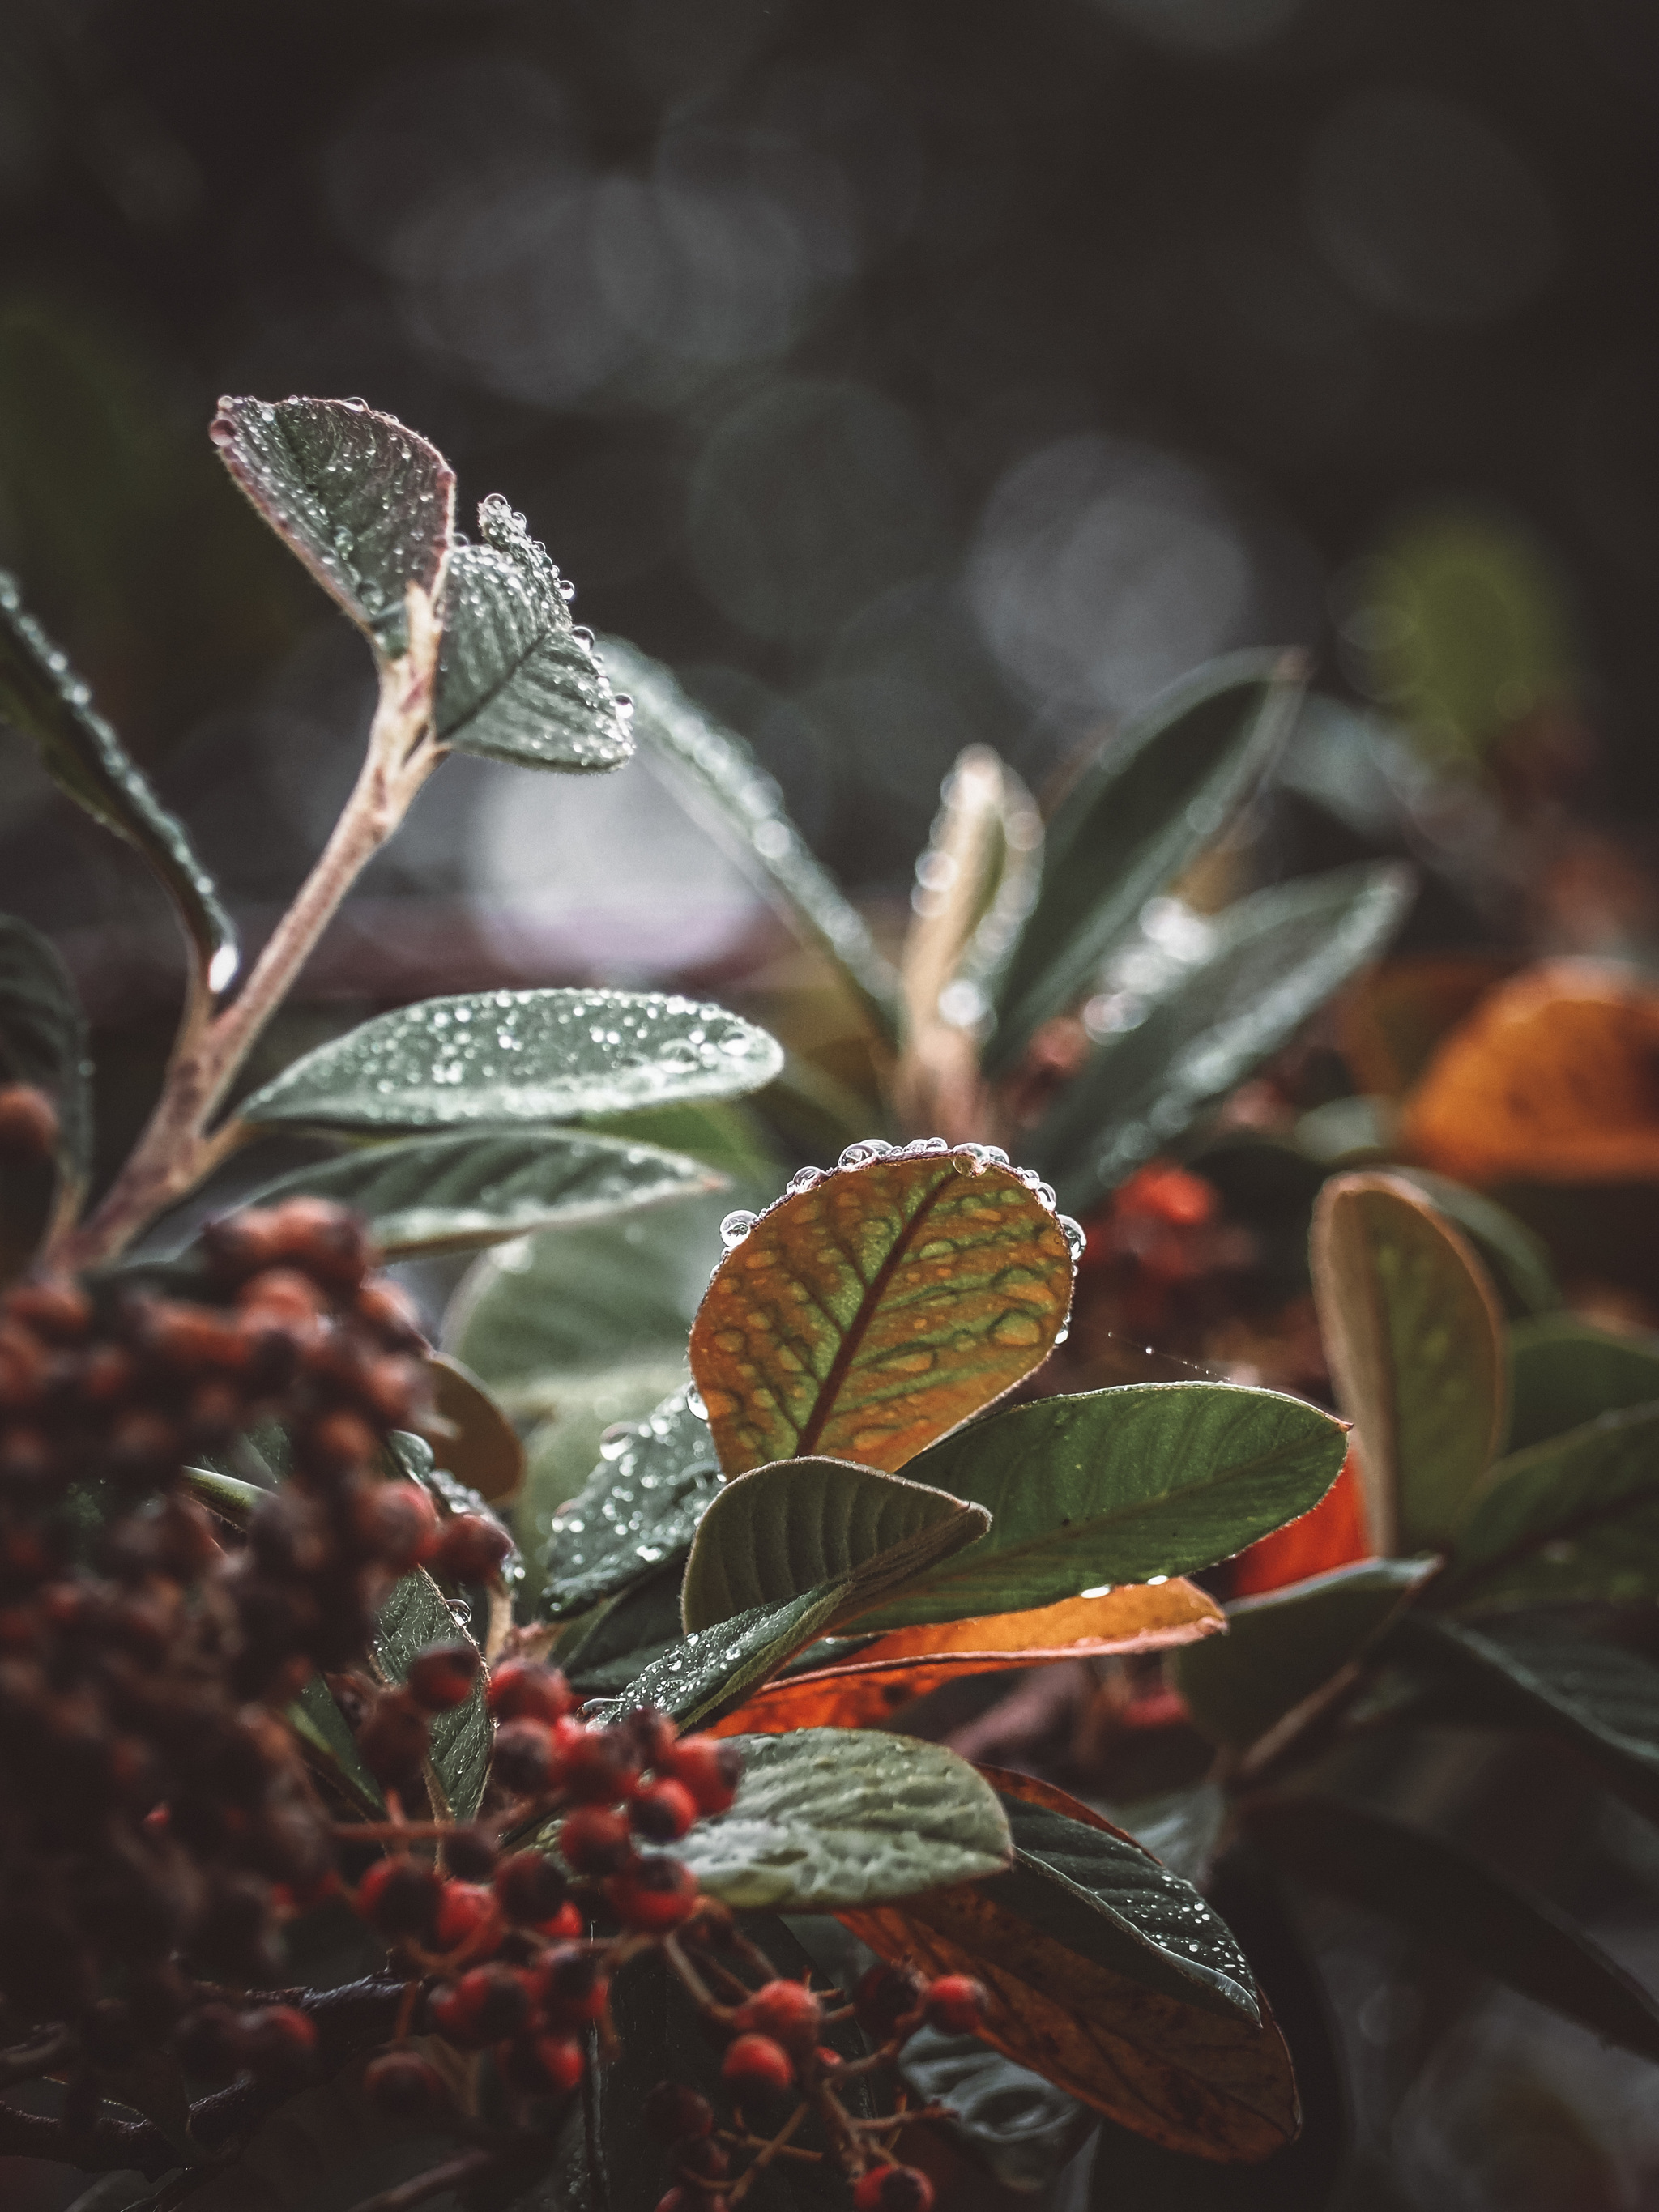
[
  {"x": 544, "y": 2065},
  {"x": 393, "y": 1389},
  {"x": 471, "y": 1853},
  {"x": 283, "y": 1294},
  {"x": 570, "y": 1985},
  {"x": 755, "y": 2066},
  {"x": 487, "y": 2003},
  {"x": 702, "y": 2161},
  {"x": 709, "y": 1769},
  {"x": 524, "y": 1761},
  {"x": 656, "y": 1894},
  {"x": 893, "y": 2189},
  {"x": 29, "y": 1123},
  {"x": 468, "y": 1918},
  {"x": 594, "y": 1840},
  {"x": 675, "y": 2113},
  {"x": 24, "y": 1367},
  {"x": 338, "y": 1442},
  {"x": 392, "y": 1314},
  {"x": 662, "y": 1812},
  {"x": 955, "y": 2004},
  {"x": 470, "y": 1549},
  {"x": 788, "y": 2012},
  {"x": 324, "y": 1239},
  {"x": 392, "y": 1741},
  {"x": 209, "y": 2043},
  {"x": 443, "y": 1675},
  {"x": 531, "y": 1888},
  {"x": 521, "y": 1690},
  {"x": 653, "y": 1735},
  {"x": 59, "y": 1311},
  {"x": 400, "y": 1897},
  {"x": 404, "y": 2086},
  {"x": 398, "y": 1523},
  {"x": 885, "y": 1996},
  {"x": 238, "y": 1244},
  {"x": 278, "y": 2041},
  {"x": 597, "y": 1765}
]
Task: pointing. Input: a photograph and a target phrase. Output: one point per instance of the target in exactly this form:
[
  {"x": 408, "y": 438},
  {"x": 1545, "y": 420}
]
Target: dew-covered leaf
[
  {"x": 609, "y": 1647},
  {"x": 1148, "y": 800},
  {"x": 42, "y": 696},
  {"x": 1415, "y": 1340},
  {"x": 865, "y": 1315},
  {"x": 43, "y": 1035},
  {"x": 516, "y": 681},
  {"x": 800, "y": 1523},
  {"x": 1114, "y": 1486},
  {"x": 456, "y": 1193},
  {"x": 1282, "y": 1647},
  {"x": 1565, "y": 1372},
  {"x": 638, "y": 1509},
  {"x": 740, "y": 804},
  {"x": 516, "y": 1057},
  {"x": 704, "y": 1673},
  {"x": 365, "y": 503},
  {"x": 414, "y": 1616},
  {"x": 1271, "y": 961},
  {"x": 826, "y": 1819},
  {"x": 316, "y": 1718}
]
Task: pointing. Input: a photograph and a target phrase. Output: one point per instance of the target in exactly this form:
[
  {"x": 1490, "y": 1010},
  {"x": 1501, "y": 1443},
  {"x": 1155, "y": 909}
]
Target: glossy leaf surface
[
  {"x": 788, "y": 1528},
  {"x": 826, "y": 1819},
  {"x": 1114, "y": 1486},
  {"x": 518, "y": 1056},
  {"x": 43, "y": 1035},
  {"x": 414, "y": 1616},
  {"x": 1416, "y": 1346},
  {"x": 1282, "y": 1647},
  {"x": 455, "y": 1193},
  {"x": 709, "y": 1671},
  {"x": 1273, "y": 960},
  {"x": 1144, "y": 805},
  {"x": 612, "y": 1645},
  {"x": 862, "y": 1317},
  {"x": 638, "y": 1509},
  {"x": 1011, "y": 2121},
  {"x": 366, "y": 504},
  {"x": 1565, "y": 1372}
]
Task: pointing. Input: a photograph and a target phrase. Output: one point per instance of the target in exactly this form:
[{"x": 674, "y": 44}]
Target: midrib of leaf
[
  {"x": 1589, "y": 1516},
  {"x": 806, "y": 1440},
  {"x": 529, "y": 654}
]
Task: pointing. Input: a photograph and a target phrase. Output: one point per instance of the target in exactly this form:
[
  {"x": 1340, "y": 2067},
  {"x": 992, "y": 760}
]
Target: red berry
[
  {"x": 570, "y": 1985},
  {"x": 708, "y": 1768},
  {"x": 400, "y": 1897},
  {"x": 487, "y": 2003},
  {"x": 283, "y": 1294},
  {"x": 955, "y": 2004},
  {"x": 324, "y": 1239},
  {"x": 392, "y": 1741},
  {"x": 338, "y": 1444},
  {"x": 443, "y": 1675},
  {"x": 278, "y": 2041},
  {"x": 60, "y": 1311},
  {"x": 653, "y": 1734},
  {"x": 470, "y": 1549},
  {"x": 788, "y": 2012},
  {"x": 398, "y": 1523},
  {"x": 653, "y": 1895},
  {"x": 595, "y": 1840},
  {"x": 531, "y": 1888},
  {"x": 472, "y": 1854},
  {"x": 701, "y": 2161},
  {"x": 662, "y": 1812},
  {"x": 521, "y": 1690},
  {"x": 597, "y": 1765},
  {"x": 546, "y": 2065},
  {"x": 885, "y": 1996},
  {"x": 893, "y": 2189},
  {"x": 675, "y": 2113},
  {"x": 404, "y": 2086},
  {"x": 468, "y": 1918},
  {"x": 392, "y": 1315},
  {"x": 523, "y": 1759},
  {"x": 755, "y": 2066},
  {"x": 29, "y": 1122}
]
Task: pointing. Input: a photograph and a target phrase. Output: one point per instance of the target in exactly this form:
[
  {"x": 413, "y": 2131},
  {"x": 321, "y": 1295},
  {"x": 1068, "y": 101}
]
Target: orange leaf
[
  {"x": 1391, "y": 1020},
  {"x": 1330, "y": 1536},
  {"x": 1554, "y": 1077},
  {"x": 861, "y": 1318},
  {"x": 863, "y": 1692}
]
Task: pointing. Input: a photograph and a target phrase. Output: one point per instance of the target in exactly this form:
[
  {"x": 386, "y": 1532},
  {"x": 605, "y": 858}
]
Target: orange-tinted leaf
[
  {"x": 484, "y": 1449},
  {"x": 1392, "y": 1019},
  {"x": 863, "y": 1317},
  {"x": 1553, "y": 1077},
  {"x": 1330, "y": 1536},
  {"x": 888, "y": 1674},
  {"x": 1187, "y": 2078}
]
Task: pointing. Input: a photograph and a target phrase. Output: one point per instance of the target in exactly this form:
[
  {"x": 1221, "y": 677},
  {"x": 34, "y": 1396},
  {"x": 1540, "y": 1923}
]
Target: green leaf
[
  {"x": 1563, "y": 1373},
  {"x": 518, "y": 1056},
  {"x": 742, "y": 806},
  {"x": 516, "y": 681},
  {"x": 40, "y": 696},
  {"x": 1182, "y": 1827},
  {"x": 708, "y": 1673},
  {"x": 829, "y": 1818},
  {"x": 800, "y": 1523},
  {"x": 614, "y": 1645},
  {"x": 1116, "y": 1486},
  {"x": 726, "y": 1135},
  {"x": 1151, "y": 796},
  {"x": 414, "y": 1616},
  {"x": 1517, "y": 1260},
  {"x": 1282, "y": 1647},
  {"x": 1576, "y": 1518},
  {"x": 43, "y": 1035},
  {"x": 560, "y": 1451},
  {"x": 315, "y": 1717},
  {"x": 226, "y": 1495},
  {"x": 1415, "y": 1342},
  {"x": 1272, "y": 961},
  {"x": 366, "y": 504},
  {"x": 639, "y": 1510},
  {"x": 1018, "y": 2127},
  {"x": 455, "y": 1193},
  {"x": 1440, "y": 1891}
]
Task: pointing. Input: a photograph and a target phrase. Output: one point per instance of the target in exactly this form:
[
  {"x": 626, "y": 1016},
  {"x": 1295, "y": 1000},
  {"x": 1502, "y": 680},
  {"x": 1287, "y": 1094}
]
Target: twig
[
  {"x": 470, "y": 2165},
  {"x": 108, "y": 2146},
  {"x": 29, "y": 2062},
  {"x": 765, "y": 2157}
]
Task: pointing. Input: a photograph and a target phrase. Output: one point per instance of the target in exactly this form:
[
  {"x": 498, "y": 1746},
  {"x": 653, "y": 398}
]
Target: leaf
[
  {"x": 517, "y": 1056},
  {"x": 482, "y": 1449},
  {"x": 1019, "y": 2127},
  {"x": 41, "y": 697},
  {"x": 366, "y": 504},
  {"x": 516, "y": 681},
  {"x": 1280, "y": 1648},
  {"x": 800, "y": 1523},
  {"x": 456, "y": 1193},
  {"x": 315, "y": 1717},
  {"x": 861, "y": 1317},
  {"x": 612, "y": 1645},
  {"x": 904, "y": 1665},
  {"x": 1148, "y": 800},
  {"x": 1576, "y": 1518},
  {"x": 742, "y": 806},
  {"x": 1114, "y": 1486},
  {"x": 1272, "y": 961},
  {"x": 1182, "y": 1828},
  {"x": 1333, "y": 1536},
  {"x": 1441, "y": 1891},
  {"x": 414, "y": 1616},
  {"x": 976, "y": 884},
  {"x": 43, "y": 1036},
  {"x": 827, "y": 1818},
  {"x": 700, "y": 1677},
  {"x": 1550, "y": 1079},
  {"x": 1415, "y": 1342},
  {"x": 640, "y": 1508},
  {"x": 1563, "y": 1373},
  {"x": 410, "y": 1457},
  {"x": 1517, "y": 1259}
]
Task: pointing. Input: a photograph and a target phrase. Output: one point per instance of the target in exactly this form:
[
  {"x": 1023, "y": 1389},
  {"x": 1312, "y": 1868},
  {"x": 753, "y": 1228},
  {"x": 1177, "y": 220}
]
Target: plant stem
[{"x": 177, "y": 1148}]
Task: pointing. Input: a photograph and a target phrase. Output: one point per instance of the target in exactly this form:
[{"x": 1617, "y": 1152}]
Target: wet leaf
[
  {"x": 788, "y": 1528},
  {"x": 863, "y": 1316},
  {"x": 1181, "y": 1828},
  {"x": 610, "y": 1646},
  {"x": 1416, "y": 1346},
  {"x": 1273, "y": 960},
  {"x": 516, "y": 680},
  {"x": 1443, "y": 1893},
  {"x": 1114, "y": 1486},
  {"x": 1551, "y": 1078},
  {"x": 1149, "y": 800},
  {"x": 482, "y": 1449},
  {"x": 43, "y": 1036},
  {"x": 863, "y": 1690},
  {"x": 366, "y": 504},
  {"x": 414, "y": 1616},
  {"x": 638, "y": 1509},
  {"x": 1016, "y": 2126},
  {"x": 826, "y": 1819},
  {"x": 706, "y": 1673},
  {"x": 456, "y": 1193},
  {"x": 316, "y": 1717},
  {"x": 1333, "y": 1536},
  {"x": 742, "y": 806},
  {"x": 1280, "y": 1648},
  {"x": 517, "y": 1056},
  {"x": 42, "y": 697},
  {"x": 1565, "y": 1372}
]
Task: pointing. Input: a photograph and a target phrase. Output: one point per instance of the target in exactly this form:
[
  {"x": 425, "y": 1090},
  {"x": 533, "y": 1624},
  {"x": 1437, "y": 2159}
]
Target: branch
[
  {"x": 470, "y": 2165},
  {"x": 108, "y": 2146}
]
